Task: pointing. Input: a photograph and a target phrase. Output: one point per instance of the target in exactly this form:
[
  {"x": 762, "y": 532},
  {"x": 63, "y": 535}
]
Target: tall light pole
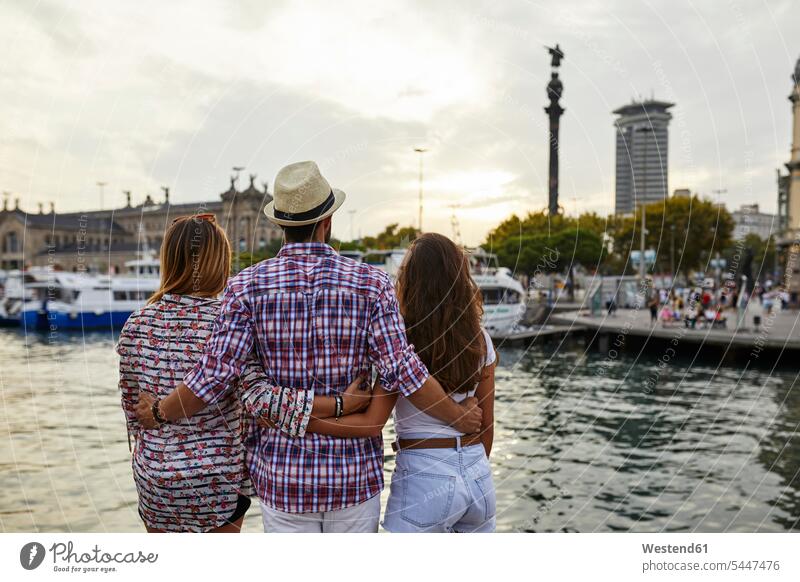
[
  {"x": 644, "y": 130},
  {"x": 672, "y": 253},
  {"x": 421, "y": 151},
  {"x": 455, "y": 224},
  {"x": 641, "y": 246},
  {"x": 235, "y": 220},
  {"x": 102, "y": 186}
]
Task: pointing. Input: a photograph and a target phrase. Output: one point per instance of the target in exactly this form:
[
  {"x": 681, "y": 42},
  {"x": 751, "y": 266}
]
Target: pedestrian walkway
[{"x": 779, "y": 330}]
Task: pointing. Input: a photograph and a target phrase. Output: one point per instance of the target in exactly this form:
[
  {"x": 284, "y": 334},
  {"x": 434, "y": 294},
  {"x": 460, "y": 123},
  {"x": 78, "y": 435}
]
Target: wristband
[
  {"x": 157, "y": 413},
  {"x": 339, "y": 405}
]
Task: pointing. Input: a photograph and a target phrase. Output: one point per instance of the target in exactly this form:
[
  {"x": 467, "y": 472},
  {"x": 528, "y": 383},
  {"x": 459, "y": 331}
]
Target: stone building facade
[
  {"x": 102, "y": 241},
  {"x": 750, "y": 220},
  {"x": 789, "y": 202}
]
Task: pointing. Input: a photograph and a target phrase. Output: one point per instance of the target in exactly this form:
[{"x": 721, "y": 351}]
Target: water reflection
[
  {"x": 581, "y": 445},
  {"x": 780, "y": 453},
  {"x": 592, "y": 450}
]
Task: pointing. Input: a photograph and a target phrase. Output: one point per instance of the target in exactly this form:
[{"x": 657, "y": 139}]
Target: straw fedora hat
[{"x": 302, "y": 196}]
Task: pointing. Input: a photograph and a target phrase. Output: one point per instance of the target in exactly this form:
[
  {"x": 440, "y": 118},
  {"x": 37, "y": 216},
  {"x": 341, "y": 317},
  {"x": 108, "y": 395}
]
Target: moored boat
[
  {"x": 385, "y": 260},
  {"x": 503, "y": 296},
  {"x": 79, "y": 301},
  {"x": 19, "y": 294}
]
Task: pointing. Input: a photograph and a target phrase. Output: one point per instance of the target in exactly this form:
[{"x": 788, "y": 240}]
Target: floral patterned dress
[{"x": 189, "y": 473}]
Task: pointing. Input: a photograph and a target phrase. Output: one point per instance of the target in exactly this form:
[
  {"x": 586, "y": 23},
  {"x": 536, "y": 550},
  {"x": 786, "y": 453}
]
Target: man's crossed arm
[{"x": 262, "y": 398}]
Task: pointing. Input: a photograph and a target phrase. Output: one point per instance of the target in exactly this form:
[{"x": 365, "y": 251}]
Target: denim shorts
[{"x": 441, "y": 490}]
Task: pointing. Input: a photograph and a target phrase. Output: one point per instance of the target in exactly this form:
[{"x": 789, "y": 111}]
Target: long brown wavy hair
[
  {"x": 195, "y": 258},
  {"x": 442, "y": 309}
]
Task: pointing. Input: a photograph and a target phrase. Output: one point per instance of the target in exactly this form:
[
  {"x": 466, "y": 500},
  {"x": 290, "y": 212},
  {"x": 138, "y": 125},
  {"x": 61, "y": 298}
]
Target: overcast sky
[{"x": 140, "y": 94}]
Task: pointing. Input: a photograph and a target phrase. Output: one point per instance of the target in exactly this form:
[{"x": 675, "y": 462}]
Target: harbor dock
[
  {"x": 777, "y": 332},
  {"x": 533, "y": 333}
]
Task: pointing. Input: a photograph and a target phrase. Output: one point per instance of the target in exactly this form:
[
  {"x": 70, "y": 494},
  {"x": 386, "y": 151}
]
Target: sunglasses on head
[{"x": 206, "y": 217}]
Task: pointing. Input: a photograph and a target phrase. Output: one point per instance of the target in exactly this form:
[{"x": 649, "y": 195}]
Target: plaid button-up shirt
[{"x": 316, "y": 320}]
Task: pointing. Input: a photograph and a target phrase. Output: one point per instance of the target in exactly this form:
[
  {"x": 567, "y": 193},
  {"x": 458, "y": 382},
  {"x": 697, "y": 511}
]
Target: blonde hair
[{"x": 195, "y": 258}]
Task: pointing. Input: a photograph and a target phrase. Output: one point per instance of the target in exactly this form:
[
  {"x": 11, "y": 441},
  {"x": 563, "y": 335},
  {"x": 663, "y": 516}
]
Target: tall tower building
[{"x": 642, "y": 141}]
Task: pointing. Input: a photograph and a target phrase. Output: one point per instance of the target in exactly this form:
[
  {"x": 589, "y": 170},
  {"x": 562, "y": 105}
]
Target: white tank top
[{"x": 408, "y": 419}]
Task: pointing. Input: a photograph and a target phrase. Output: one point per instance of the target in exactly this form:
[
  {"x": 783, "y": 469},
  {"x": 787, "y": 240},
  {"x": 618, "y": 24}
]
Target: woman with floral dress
[{"x": 190, "y": 473}]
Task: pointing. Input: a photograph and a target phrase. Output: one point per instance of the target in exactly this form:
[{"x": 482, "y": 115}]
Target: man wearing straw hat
[{"x": 316, "y": 322}]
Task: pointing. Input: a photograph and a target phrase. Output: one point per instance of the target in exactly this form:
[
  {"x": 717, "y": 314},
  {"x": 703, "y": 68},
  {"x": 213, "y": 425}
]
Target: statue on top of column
[{"x": 556, "y": 53}]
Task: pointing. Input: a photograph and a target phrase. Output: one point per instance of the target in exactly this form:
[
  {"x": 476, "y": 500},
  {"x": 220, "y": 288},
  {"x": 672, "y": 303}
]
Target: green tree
[
  {"x": 392, "y": 237},
  {"x": 247, "y": 258},
  {"x": 689, "y": 231},
  {"x": 696, "y": 229},
  {"x": 543, "y": 243},
  {"x": 542, "y": 253},
  {"x": 351, "y": 245}
]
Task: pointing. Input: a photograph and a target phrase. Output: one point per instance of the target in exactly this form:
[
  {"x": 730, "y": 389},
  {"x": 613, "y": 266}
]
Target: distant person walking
[
  {"x": 611, "y": 304},
  {"x": 653, "y": 305}
]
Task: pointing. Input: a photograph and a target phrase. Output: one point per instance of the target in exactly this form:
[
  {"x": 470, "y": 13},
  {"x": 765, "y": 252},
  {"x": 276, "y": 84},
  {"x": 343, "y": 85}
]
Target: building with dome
[{"x": 102, "y": 241}]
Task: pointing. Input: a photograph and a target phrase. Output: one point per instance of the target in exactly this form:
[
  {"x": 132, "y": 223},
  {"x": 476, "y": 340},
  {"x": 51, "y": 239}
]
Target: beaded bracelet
[{"x": 339, "y": 405}]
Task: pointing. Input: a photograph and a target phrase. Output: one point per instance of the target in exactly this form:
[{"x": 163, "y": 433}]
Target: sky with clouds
[{"x": 149, "y": 93}]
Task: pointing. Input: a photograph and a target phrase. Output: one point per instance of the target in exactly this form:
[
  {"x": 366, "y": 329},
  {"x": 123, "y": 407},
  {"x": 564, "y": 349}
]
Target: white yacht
[
  {"x": 356, "y": 256},
  {"x": 503, "y": 296},
  {"x": 146, "y": 267},
  {"x": 19, "y": 294},
  {"x": 385, "y": 260},
  {"x": 67, "y": 301}
]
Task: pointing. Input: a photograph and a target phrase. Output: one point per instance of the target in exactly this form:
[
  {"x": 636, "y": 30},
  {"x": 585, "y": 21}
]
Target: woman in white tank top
[
  {"x": 408, "y": 419},
  {"x": 442, "y": 480}
]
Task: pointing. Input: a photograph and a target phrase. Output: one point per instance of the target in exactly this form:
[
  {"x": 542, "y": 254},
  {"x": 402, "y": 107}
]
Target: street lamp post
[
  {"x": 421, "y": 151},
  {"x": 235, "y": 220},
  {"x": 641, "y": 246},
  {"x": 643, "y": 203},
  {"x": 672, "y": 253}
]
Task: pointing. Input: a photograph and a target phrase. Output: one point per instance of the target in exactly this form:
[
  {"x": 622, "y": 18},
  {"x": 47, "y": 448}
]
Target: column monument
[{"x": 554, "y": 111}]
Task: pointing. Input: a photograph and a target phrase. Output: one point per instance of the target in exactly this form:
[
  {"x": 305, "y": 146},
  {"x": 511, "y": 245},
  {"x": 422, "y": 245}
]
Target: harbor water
[{"x": 582, "y": 443}]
